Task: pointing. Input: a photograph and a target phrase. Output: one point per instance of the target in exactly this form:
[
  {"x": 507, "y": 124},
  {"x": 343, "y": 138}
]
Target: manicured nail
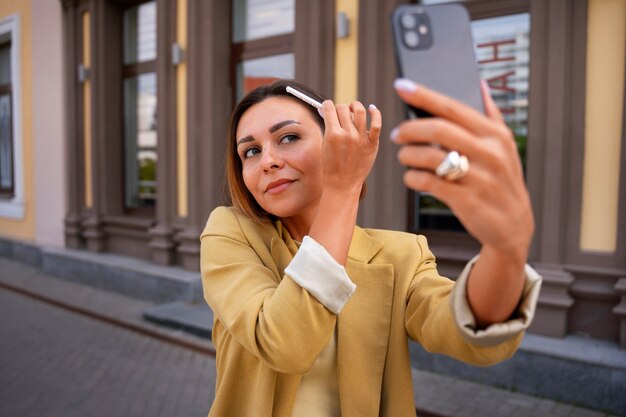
[
  {"x": 486, "y": 85},
  {"x": 393, "y": 136},
  {"x": 404, "y": 84},
  {"x": 373, "y": 107}
]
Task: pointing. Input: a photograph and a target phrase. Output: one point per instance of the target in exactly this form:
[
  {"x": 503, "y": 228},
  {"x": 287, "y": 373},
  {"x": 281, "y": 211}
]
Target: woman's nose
[{"x": 270, "y": 159}]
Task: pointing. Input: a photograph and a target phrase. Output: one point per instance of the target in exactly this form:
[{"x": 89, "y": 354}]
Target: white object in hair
[{"x": 304, "y": 98}]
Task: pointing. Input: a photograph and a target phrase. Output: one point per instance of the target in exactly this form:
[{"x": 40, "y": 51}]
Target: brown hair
[{"x": 240, "y": 196}]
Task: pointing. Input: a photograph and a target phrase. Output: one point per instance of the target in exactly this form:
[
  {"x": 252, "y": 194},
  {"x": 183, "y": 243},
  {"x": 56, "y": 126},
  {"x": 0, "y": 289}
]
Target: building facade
[{"x": 113, "y": 115}]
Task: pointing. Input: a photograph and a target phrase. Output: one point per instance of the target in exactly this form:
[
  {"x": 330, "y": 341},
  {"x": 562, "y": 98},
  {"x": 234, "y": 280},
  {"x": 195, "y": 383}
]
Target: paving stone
[{"x": 97, "y": 384}]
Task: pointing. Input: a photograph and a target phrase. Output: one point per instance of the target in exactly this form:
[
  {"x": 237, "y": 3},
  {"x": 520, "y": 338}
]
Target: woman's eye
[
  {"x": 288, "y": 138},
  {"x": 250, "y": 152}
]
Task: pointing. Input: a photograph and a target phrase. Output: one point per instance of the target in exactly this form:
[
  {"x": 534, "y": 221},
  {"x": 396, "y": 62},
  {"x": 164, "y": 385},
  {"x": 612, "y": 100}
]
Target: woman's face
[{"x": 280, "y": 146}]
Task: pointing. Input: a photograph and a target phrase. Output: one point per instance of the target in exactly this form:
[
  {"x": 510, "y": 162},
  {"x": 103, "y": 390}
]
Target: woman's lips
[{"x": 278, "y": 185}]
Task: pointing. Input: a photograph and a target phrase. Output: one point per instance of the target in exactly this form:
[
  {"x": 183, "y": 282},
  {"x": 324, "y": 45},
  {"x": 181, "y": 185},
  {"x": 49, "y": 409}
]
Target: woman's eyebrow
[
  {"x": 245, "y": 139},
  {"x": 278, "y": 125},
  {"x": 272, "y": 129}
]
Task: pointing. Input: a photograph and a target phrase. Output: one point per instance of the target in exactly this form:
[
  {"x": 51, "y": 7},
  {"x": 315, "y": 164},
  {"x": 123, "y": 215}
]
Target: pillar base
[{"x": 554, "y": 302}]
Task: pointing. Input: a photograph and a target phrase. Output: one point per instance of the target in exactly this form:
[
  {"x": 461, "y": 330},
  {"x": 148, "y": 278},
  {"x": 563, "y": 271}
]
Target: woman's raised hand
[
  {"x": 491, "y": 200},
  {"x": 350, "y": 148}
]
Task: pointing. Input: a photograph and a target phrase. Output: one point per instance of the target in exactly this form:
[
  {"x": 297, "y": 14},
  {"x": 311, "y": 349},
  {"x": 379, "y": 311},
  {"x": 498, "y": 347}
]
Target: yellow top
[{"x": 318, "y": 393}]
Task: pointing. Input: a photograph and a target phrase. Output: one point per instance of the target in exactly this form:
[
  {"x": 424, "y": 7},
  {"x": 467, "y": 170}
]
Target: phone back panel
[{"x": 445, "y": 62}]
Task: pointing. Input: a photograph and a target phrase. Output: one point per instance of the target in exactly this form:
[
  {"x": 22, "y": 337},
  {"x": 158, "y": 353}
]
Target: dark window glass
[
  {"x": 256, "y": 19},
  {"x": 6, "y": 123},
  {"x": 253, "y": 73},
  {"x": 140, "y": 101}
]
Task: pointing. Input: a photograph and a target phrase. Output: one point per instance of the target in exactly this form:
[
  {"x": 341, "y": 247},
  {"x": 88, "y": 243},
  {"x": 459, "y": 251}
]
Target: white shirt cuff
[
  {"x": 498, "y": 332},
  {"x": 315, "y": 270}
]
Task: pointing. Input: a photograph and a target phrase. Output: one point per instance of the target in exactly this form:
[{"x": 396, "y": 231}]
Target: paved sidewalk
[
  {"x": 57, "y": 363},
  {"x": 116, "y": 372}
]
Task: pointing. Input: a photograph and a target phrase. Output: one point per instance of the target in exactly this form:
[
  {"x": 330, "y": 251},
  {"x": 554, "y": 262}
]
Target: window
[
  {"x": 6, "y": 129},
  {"x": 11, "y": 170},
  {"x": 502, "y": 47},
  {"x": 140, "y": 101},
  {"x": 262, "y": 43}
]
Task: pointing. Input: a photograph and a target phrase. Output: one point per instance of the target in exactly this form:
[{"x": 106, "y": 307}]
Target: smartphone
[{"x": 434, "y": 47}]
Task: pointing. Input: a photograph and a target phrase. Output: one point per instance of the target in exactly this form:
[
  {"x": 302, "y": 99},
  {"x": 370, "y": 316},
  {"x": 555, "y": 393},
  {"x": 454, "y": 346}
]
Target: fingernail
[
  {"x": 373, "y": 107},
  {"x": 486, "y": 85},
  {"x": 321, "y": 113},
  {"x": 393, "y": 136},
  {"x": 404, "y": 84}
]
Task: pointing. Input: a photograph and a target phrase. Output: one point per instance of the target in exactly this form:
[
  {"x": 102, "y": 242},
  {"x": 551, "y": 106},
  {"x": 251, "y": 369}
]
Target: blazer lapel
[
  {"x": 282, "y": 249},
  {"x": 363, "y": 329}
]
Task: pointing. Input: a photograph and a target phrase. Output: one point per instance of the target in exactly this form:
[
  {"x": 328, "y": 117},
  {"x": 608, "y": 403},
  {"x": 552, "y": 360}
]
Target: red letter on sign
[
  {"x": 501, "y": 82},
  {"x": 496, "y": 51}
]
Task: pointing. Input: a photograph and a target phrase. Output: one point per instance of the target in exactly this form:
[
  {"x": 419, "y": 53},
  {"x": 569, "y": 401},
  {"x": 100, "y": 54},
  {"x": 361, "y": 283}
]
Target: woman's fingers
[
  {"x": 345, "y": 118},
  {"x": 421, "y": 157},
  {"x": 428, "y": 182},
  {"x": 376, "y": 124},
  {"x": 349, "y": 148},
  {"x": 436, "y": 131},
  {"x": 331, "y": 121},
  {"x": 443, "y": 106},
  {"x": 492, "y": 111},
  {"x": 359, "y": 115},
  {"x": 351, "y": 120}
]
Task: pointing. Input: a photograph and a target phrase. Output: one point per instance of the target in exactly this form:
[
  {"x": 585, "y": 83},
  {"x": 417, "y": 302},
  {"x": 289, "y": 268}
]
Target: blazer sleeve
[
  {"x": 273, "y": 318},
  {"x": 435, "y": 318},
  {"x": 496, "y": 333}
]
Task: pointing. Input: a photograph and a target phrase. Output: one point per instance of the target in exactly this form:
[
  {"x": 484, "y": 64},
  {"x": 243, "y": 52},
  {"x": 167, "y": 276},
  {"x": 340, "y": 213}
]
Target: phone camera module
[
  {"x": 415, "y": 30},
  {"x": 408, "y": 21},
  {"x": 411, "y": 39}
]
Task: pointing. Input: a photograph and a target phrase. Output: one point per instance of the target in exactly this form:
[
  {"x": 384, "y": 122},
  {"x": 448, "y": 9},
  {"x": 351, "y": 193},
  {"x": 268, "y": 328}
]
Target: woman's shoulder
[
  {"x": 228, "y": 221},
  {"x": 221, "y": 218},
  {"x": 223, "y": 213}
]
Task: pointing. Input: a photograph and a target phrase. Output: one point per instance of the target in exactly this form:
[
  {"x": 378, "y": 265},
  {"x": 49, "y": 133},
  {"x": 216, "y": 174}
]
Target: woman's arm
[
  {"x": 348, "y": 155},
  {"x": 271, "y": 316},
  {"x": 491, "y": 201}
]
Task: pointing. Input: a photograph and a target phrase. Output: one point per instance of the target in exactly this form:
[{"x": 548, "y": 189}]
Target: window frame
[
  {"x": 6, "y": 89},
  {"x": 257, "y": 48},
  {"x": 13, "y": 206},
  {"x": 136, "y": 69}
]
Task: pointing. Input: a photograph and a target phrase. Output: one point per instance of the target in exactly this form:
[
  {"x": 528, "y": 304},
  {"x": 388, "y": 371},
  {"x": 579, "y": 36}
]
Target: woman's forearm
[
  {"x": 495, "y": 285},
  {"x": 334, "y": 223}
]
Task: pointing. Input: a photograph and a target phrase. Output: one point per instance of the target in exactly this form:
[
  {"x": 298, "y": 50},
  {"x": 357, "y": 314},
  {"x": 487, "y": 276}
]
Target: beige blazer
[{"x": 269, "y": 331}]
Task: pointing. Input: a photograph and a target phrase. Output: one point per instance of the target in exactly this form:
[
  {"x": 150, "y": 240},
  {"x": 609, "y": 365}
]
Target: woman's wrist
[
  {"x": 513, "y": 255},
  {"x": 334, "y": 223}
]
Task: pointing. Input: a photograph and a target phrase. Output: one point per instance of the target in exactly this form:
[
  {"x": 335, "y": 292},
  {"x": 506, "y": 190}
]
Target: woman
[{"x": 313, "y": 313}]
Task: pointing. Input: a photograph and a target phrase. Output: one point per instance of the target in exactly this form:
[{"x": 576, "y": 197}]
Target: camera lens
[
  {"x": 408, "y": 21},
  {"x": 411, "y": 39}
]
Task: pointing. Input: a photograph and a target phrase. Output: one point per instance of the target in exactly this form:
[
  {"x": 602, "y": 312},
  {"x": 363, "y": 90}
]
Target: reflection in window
[
  {"x": 503, "y": 54},
  {"x": 255, "y": 19},
  {"x": 256, "y": 72},
  {"x": 140, "y": 104},
  {"x": 502, "y": 47},
  {"x": 141, "y": 139},
  {"x": 140, "y": 33},
  {"x": 6, "y": 130},
  {"x": 262, "y": 48}
]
